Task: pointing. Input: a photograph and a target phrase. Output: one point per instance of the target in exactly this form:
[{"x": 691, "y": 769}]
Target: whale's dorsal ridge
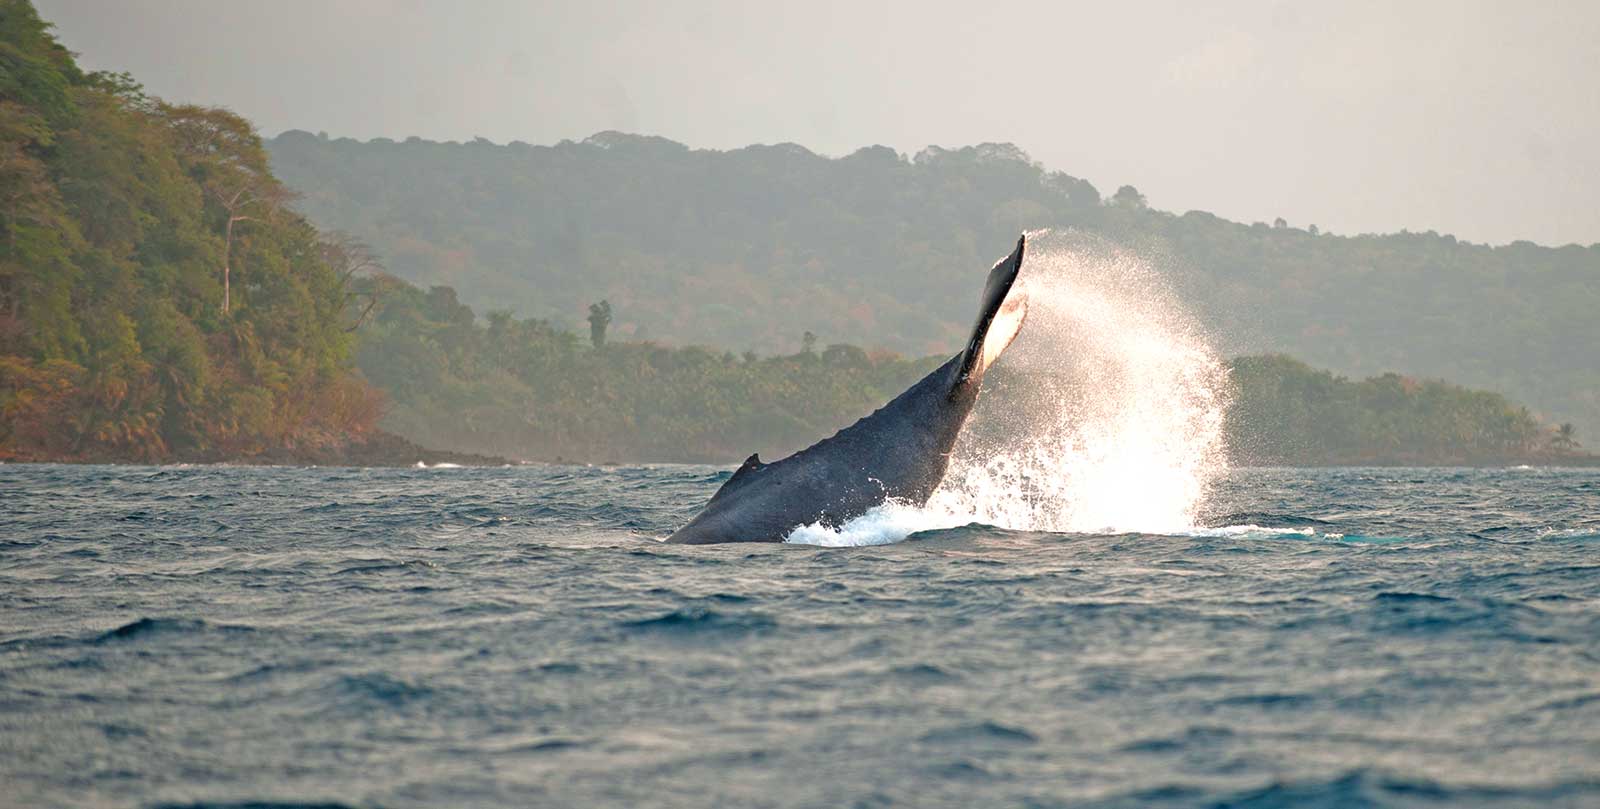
[{"x": 742, "y": 475}]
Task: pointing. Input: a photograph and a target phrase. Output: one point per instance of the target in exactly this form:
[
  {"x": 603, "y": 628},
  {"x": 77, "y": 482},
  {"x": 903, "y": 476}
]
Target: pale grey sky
[{"x": 1480, "y": 119}]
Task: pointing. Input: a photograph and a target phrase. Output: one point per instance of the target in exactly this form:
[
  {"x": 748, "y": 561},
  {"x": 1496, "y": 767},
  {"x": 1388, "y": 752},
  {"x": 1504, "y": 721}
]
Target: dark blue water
[{"x": 494, "y": 637}]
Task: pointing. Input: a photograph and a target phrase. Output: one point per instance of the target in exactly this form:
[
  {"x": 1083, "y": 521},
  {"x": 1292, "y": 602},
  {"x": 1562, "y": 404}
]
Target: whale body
[{"x": 899, "y": 452}]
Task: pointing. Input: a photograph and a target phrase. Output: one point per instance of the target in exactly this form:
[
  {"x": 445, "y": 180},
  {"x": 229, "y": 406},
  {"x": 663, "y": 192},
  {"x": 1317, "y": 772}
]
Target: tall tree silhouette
[{"x": 599, "y": 319}]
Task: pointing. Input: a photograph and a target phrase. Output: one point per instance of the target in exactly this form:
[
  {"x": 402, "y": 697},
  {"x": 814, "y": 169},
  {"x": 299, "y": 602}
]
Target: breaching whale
[{"x": 898, "y": 452}]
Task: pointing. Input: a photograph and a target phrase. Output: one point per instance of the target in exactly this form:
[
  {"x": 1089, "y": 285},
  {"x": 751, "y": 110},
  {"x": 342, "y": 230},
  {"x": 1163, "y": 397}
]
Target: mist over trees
[{"x": 753, "y": 247}]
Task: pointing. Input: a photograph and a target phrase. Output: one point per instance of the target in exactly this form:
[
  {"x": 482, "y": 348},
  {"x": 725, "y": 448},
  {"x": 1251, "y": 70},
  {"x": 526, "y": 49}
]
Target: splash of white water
[
  {"x": 1106, "y": 415},
  {"x": 885, "y": 524}
]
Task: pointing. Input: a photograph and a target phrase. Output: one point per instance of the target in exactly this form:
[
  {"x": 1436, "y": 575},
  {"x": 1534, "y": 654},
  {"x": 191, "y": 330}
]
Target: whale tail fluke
[
  {"x": 1000, "y": 317},
  {"x": 900, "y": 451}
]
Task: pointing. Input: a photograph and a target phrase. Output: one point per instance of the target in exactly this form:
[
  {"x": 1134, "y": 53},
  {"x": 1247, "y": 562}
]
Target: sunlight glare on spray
[{"x": 1107, "y": 413}]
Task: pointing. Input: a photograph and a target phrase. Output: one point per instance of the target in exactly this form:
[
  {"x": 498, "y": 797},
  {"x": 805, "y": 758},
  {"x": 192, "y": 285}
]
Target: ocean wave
[
  {"x": 377, "y": 689},
  {"x": 894, "y": 522},
  {"x": 255, "y": 804},
  {"x": 1259, "y": 658},
  {"x": 699, "y": 621},
  {"x": 1571, "y": 534},
  {"x": 147, "y": 627},
  {"x": 1266, "y": 518},
  {"x": 1249, "y": 531},
  {"x": 981, "y": 734},
  {"x": 1371, "y": 788}
]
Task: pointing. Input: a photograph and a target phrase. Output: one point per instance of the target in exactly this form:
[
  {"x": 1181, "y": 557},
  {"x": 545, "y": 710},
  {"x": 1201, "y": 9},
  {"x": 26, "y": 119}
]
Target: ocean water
[{"x": 218, "y": 636}]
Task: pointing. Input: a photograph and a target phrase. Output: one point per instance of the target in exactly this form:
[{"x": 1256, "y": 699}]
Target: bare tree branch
[{"x": 352, "y": 258}]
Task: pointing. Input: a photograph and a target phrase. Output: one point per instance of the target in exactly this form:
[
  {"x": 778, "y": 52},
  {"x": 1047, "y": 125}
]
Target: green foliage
[
  {"x": 1287, "y": 412},
  {"x": 599, "y": 320},
  {"x": 751, "y": 247},
  {"x": 113, "y": 339},
  {"x": 35, "y": 71},
  {"x": 527, "y": 389},
  {"x": 159, "y": 299}
]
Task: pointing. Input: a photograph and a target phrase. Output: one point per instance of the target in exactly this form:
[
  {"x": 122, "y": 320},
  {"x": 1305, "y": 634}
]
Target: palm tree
[{"x": 1564, "y": 440}]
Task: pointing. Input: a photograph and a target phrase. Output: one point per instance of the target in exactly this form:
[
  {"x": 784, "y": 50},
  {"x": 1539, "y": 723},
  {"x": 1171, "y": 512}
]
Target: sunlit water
[{"x": 495, "y": 637}]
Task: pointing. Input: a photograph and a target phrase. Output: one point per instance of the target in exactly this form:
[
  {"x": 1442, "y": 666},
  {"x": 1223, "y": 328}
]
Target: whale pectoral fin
[{"x": 742, "y": 475}]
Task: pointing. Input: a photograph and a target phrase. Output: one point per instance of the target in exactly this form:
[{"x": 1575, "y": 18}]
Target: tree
[
  {"x": 1565, "y": 439},
  {"x": 1129, "y": 197},
  {"x": 844, "y": 355},
  {"x": 1081, "y": 193},
  {"x": 37, "y": 237},
  {"x": 352, "y": 259},
  {"x": 599, "y": 319},
  {"x": 224, "y": 153},
  {"x": 779, "y": 240},
  {"x": 115, "y": 212},
  {"x": 808, "y": 344},
  {"x": 246, "y": 201}
]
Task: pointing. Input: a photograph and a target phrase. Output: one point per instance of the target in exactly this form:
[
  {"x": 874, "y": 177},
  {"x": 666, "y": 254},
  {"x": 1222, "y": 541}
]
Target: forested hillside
[
  {"x": 527, "y": 389},
  {"x": 1286, "y": 412},
  {"x": 530, "y": 390},
  {"x": 750, "y": 248},
  {"x": 157, "y": 298},
  {"x": 162, "y": 297}
]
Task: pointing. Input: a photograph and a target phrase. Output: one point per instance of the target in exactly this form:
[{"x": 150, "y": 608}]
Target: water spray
[{"x": 1105, "y": 416}]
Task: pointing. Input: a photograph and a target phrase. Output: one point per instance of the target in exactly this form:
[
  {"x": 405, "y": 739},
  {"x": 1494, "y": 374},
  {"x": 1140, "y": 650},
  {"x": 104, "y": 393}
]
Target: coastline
[
  {"x": 392, "y": 452},
  {"x": 377, "y": 450}
]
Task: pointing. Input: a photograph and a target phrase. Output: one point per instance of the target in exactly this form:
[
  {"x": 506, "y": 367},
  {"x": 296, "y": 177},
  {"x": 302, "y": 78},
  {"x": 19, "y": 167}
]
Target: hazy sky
[{"x": 1480, "y": 119}]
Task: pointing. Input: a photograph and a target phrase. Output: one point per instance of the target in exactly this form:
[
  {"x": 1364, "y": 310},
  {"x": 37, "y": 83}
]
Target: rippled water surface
[{"x": 492, "y": 637}]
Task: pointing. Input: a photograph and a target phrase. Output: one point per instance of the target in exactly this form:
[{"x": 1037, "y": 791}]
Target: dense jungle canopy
[{"x": 158, "y": 298}]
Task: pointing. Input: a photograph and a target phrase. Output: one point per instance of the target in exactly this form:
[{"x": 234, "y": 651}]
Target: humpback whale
[{"x": 898, "y": 452}]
